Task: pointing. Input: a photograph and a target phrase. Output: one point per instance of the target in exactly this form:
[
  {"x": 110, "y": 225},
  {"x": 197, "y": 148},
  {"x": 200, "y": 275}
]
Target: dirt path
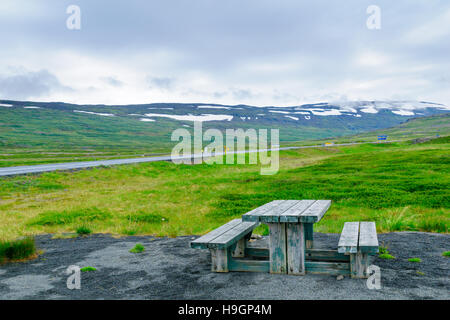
[{"x": 169, "y": 269}]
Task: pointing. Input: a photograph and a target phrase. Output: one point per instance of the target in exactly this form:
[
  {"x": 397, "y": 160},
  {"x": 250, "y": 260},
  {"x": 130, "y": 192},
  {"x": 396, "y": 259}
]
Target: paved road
[{"x": 11, "y": 171}]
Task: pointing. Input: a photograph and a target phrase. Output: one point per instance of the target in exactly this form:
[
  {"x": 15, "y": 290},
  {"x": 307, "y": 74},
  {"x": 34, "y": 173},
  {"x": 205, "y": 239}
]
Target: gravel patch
[{"x": 169, "y": 269}]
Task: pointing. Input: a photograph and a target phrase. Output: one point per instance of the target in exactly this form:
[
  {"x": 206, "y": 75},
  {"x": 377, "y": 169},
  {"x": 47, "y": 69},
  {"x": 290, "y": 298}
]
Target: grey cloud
[
  {"x": 30, "y": 85},
  {"x": 165, "y": 83},
  {"x": 112, "y": 81},
  {"x": 242, "y": 94}
]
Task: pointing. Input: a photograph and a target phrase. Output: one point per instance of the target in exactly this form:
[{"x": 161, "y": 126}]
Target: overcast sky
[{"x": 224, "y": 51}]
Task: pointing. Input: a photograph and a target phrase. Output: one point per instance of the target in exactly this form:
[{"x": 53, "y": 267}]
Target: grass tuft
[
  {"x": 87, "y": 269},
  {"x": 83, "y": 231},
  {"x": 414, "y": 260},
  {"x": 386, "y": 256},
  {"x": 17, "y": 249},
  {"x": 446, "y": 254},
  {"x": 137, "y": 248}
]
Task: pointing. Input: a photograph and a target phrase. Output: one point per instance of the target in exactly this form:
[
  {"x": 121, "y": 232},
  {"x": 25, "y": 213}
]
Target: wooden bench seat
[
  {"x": 225, "y": 242},
  {"x": 359, "y": 240}
]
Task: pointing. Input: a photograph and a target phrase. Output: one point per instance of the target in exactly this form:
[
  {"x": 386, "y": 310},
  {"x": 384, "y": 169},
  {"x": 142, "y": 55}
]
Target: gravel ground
[{"x": 169, "y": 269}]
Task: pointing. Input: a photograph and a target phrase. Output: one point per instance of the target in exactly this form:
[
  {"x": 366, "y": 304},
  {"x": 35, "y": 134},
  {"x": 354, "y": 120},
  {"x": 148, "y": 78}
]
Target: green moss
[
  {"x": 446, "y": 254},
  {"x": 87, "y": 269},
  {"x": 137, "y": 248},
  {"x": 386, "y": 256},
  {"x": 414, "y": 260}
]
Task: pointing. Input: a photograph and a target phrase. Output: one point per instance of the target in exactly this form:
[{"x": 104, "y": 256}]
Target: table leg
[
  {"x": 295, "y": 248},
  {"x": 308, "y": 227},
  {"x": 277, "y": 247}
]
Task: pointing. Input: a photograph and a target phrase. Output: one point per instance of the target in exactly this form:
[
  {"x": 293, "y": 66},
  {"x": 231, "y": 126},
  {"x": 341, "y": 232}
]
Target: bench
[
  {"x": 226, "y": 242},
  {"x": 358, "y": 240}
]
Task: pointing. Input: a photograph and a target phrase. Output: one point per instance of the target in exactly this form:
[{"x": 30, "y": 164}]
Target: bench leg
[
  {"x": 239, "y": 251},
  {"x": 219, "y": 260},
  {"x": 308, "y": 227},
  {"x": 295, "y": 248},
  {"x": 277, "y": 247},
  {"x": 359, "y": 263}
]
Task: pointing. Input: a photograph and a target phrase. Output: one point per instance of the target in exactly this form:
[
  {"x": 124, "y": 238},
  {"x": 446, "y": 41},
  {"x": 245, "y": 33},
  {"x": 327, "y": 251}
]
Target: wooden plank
[
  {"x": 359, "y": 263},
  {"x": 255, "y": 213},
  {"x": 310, "y": 254},
  {"x": 293, "y": 213},
  {"x": 219, "y": 260},
  {"x": 274, "y": 214},
  {"x": 257, "y": 252},
  {"x": 239, "y": 251},
  {"x": 309, "y": 232},
  {"x": 202, "y": 242},
  {"x": 348, "y": 242},
  {"x": 325, "y": 255},
  {"x": 315, "y": 212},
  {"x": 295, "y": 238},
  {"x": 232, "y": 236},
  {"x": 249, "y": 265},
  {"x": 368, "y": 240},
  {"x": 332, "y": 268},
  {"x": 277, "y": 247}
]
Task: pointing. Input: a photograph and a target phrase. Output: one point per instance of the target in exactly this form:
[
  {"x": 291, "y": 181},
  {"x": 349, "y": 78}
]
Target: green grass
[
  {"x": 415, "y": 260},
  {"x": 137, "y": 248},
  {"x": 386, "y": 256},
  {"x": 88, "y": 269},
  {"x": 401, "y": 186},
  {"x": 17, "y": 249},
  {"x": 446, "y": 254},
  {"x": 83, "y": 230}
]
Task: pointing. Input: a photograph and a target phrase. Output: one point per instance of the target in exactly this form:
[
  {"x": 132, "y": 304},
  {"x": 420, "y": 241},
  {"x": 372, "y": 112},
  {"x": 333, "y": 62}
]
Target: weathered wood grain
[
  {"x": 359, "y": 263},
  {"x": 331, "y": 268},
  {"x": 293, "y": 213},
  {"x": 219, "y": 260},
  {"x": 232, "y": 236},
  {"x": 368, "y": 240},
  {"x": 348, "y": 242},
  {"x": 315, "y": 212},
  {"x": 255, "y": 213},
  {"x": 249, "y": 265},
  {"x": 295, "y": 238},
  {"x": 202, "y": 242},
  {"x": 309, "y": 235},
  {"x": 277, "y": 247},
  {"x": 273, "y": 215}
]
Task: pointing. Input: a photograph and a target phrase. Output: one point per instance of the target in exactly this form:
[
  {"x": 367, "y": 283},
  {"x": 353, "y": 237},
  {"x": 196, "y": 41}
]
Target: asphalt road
[{"x": 11, "y": 171}]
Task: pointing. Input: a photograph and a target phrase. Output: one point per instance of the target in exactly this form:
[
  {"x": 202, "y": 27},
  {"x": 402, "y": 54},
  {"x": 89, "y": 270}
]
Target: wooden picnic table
[{"x": 291, "y": 231}]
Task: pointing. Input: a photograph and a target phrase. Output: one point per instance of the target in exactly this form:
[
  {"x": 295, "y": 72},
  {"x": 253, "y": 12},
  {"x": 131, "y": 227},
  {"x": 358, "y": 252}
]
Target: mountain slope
[{"x": 147, "y": 128}]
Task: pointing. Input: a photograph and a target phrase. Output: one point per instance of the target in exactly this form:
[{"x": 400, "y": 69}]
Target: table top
[{"x": 289, "y": 211}]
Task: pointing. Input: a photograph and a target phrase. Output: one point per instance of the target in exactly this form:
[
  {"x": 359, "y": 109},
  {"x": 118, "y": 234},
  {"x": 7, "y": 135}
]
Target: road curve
[{"x": 18, "y": 170}]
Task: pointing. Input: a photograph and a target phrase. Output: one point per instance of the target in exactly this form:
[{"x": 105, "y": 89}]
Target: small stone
[
  {"x": 256, "y": 236},
  {"x": 193, "y": 238},
  {"x": 339, "y": 277}
]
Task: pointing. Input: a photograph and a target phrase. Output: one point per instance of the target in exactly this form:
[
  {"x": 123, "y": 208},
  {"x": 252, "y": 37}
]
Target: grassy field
[{"x": 401, "y": 186}]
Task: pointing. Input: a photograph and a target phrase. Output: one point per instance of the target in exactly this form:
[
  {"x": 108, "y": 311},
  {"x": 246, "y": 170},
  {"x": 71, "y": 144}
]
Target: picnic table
[
  {"x": 291, "y": 231},
  {"x": 291, "y": 249}
]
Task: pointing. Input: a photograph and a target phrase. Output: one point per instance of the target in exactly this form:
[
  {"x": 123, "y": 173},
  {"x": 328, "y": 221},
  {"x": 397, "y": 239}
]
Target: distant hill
[{"x": 55, "y": 125}]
